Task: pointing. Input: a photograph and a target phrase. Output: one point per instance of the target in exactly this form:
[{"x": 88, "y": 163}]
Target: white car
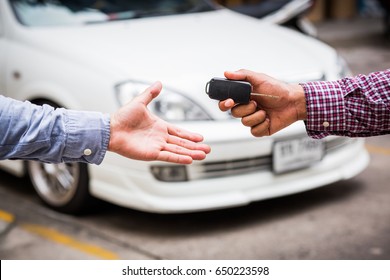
[{"x": 96, "y": 56}]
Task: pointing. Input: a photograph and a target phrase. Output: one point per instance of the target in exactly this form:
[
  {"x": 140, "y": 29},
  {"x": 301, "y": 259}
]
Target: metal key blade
[{"x": 265, "y": 95}]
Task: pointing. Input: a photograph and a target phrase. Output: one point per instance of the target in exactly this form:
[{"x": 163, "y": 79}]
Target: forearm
[
  {"x": 354, "y": 107},
  {"x": 43, "y": 133}
]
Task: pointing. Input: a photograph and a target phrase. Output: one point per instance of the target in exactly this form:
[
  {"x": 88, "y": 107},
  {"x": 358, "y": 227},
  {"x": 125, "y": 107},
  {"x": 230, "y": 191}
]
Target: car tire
[{"x": 63, "y": 187}]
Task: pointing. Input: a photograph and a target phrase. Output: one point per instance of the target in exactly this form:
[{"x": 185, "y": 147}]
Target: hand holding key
[
  {"x": 239, "y": 91},
  {"x": 275, "y": 106}
]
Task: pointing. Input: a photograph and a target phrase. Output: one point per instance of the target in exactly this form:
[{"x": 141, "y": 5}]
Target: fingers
[
  {"x": 250, "y": 116},
  {"x": 243, "y": 110},
  {"x": 183, "y": 151},
  {"x": 226, "y": 105},
  {"x": 183, "y": 145},
  {"x": 188, "y": 145},
  {"x": 262, "y": 129},
  {"x": 238, "y": 111},
  {"x": 150, "y": 93},
  {"x": 254, "y": 119},
  {"x": 174, "y": 158},
  {"x": 187, "y": 139}
]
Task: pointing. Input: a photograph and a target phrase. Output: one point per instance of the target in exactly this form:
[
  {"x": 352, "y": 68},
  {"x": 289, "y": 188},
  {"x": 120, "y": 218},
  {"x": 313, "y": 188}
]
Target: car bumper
[{"x": 131, "y": 183}]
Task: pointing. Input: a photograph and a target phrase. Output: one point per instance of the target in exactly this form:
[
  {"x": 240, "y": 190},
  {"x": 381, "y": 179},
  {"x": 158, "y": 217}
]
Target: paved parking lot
[{"x": 346, "y": 220}]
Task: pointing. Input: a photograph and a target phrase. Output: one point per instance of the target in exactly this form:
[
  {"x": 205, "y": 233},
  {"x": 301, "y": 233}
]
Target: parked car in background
[
  {"x": 97, "y": 55},
  {"x": 385, "y": 4},
  {"x": 290, "y": 13}
]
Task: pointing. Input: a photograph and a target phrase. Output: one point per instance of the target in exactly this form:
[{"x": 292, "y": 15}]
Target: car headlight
[
  {"x": 169, "y": 105},
  {"x": 170, "y": 173}
]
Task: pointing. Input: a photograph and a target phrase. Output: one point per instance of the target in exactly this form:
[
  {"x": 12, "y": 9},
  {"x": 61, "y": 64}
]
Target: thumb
[
  {"x": 241, "y": 75},
  {"x": 150, "y": 93},
  {"x": 234, "y": 75}
]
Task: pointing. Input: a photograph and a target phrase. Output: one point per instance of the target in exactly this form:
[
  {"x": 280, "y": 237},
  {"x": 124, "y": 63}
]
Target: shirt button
[
  {"x": 326, "y": 124},
  {"x": 87, "y": 152}
]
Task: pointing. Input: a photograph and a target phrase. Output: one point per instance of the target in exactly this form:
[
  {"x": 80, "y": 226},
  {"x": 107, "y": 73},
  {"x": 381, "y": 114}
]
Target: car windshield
[
  {"x": 76, "y": 12},
  {"x": 261, "y": 8}
]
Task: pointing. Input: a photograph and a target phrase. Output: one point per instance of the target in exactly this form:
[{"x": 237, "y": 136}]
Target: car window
[{"x": 75, "y": 12}]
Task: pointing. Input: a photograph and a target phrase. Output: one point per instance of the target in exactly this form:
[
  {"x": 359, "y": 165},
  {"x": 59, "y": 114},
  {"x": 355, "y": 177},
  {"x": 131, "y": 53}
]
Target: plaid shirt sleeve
[{"x": 354, "y": 107}]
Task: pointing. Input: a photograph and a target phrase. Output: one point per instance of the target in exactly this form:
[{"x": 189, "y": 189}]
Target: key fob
[{"x": 221, "y": 89}]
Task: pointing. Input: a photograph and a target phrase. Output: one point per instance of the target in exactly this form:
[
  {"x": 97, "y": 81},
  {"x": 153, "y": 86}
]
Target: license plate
[{"x": 296, "y": 154}]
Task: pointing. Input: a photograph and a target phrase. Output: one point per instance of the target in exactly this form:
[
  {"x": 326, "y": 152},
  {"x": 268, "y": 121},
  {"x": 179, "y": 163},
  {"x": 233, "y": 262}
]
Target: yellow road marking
[
  {"x": 378, "y": 150},
  {"x": 58, "y": 237},
  {"x": 7, "y": 217}
]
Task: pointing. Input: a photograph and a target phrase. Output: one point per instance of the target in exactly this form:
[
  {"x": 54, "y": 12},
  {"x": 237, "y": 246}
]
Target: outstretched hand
[
  {"x": 263, "y": 114},
  {"x": 138, "y": 134}
]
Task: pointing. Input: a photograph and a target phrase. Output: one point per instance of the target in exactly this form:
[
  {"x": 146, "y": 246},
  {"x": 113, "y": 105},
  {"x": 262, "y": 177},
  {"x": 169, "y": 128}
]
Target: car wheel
[{"x": 63, "y": 187}]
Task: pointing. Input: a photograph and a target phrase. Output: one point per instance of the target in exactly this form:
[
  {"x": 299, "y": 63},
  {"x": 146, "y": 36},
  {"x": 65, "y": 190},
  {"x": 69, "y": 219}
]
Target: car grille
[
  {"x": 249, "y": 165},
  {"x": 234, "y": 167}
]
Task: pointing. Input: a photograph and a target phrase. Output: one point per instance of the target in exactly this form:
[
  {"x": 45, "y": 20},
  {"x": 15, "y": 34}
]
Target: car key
[{"x": 239, "y": 91}]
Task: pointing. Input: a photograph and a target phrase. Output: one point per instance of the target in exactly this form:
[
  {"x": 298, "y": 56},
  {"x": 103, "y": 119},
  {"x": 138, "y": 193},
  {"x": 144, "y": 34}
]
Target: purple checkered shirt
[{"x": 354, "y": 107}]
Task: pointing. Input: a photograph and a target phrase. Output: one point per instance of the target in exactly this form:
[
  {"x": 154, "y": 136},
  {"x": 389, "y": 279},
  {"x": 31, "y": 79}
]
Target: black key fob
[{"x": 221, "y": 89}]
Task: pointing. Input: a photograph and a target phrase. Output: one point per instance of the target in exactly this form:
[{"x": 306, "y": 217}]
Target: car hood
[{"x": 185, "y": 51}]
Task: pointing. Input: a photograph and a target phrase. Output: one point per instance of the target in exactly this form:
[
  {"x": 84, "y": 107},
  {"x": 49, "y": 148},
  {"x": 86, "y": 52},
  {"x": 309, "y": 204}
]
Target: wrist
[
  {"x": 111, "y": 145},
  {"x": 299, "y": 100}
]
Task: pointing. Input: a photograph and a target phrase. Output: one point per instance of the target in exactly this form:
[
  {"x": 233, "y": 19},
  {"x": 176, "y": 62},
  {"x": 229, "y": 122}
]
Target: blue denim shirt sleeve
[{"x": 28, "y": 131}]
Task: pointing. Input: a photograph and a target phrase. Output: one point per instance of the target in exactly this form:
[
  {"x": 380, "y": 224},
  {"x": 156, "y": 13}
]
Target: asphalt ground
[{"x": 345, "y": 220}]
